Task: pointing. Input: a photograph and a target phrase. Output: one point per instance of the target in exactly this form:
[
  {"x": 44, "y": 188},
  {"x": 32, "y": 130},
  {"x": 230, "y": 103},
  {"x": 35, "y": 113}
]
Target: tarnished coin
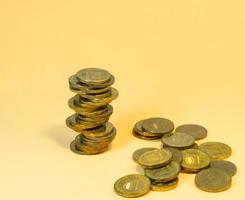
[
  {"x": 93, "y": 75},
  {"x": 138, "y": 129},
  {"x": 100, "y": 131},
  {"x": 155, "y": 158},
  {"x": 196, "y": 131},
  {"x": 159, "y": 126},
  {"x": 213, "y": 180},
  {"x": 178, "y": 140},
  {"x": 133, "y": 185},
  {"x": 216, "y": 150},
  {"x": 177, "y": 154},
  {"x": 164, "y": 174},
  {"x": 145, "y": 137},
  {"x": 224, "y": 165},
  {"x": 194, "y": 160},
  {"x": 141, "y": 151},
  {"x": 164, "y": 186}
]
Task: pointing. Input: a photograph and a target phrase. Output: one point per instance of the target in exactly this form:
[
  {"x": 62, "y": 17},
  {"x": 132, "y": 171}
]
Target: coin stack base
[{"x": 92, "y": 110}]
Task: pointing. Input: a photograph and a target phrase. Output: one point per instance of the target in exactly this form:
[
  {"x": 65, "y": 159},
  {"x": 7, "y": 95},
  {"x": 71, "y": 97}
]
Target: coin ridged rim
[
  {"x": 144, "y": 180},
  {"x": 164, "y": 186}
]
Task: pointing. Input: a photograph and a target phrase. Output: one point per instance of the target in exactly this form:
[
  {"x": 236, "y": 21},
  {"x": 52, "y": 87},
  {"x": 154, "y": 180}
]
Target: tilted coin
[
  {"x": 138, "y": 129},
  {"x": 216, "y": 150},
  {"x": 133, "y": 185},
  {"x": 178, "y": 140},
  {"x": 194, "y": 160},
  {"x": 164, "y": 174},
  {"x": 224, "y": 165},
  {"x": 97, "y": 97},
  {"x": 93, "y": 75},
  {"x": 196, "y": 131},
  {"x": 177, "y": 154},
  {"x": 158, "y": 125},
  {"x": 213, "y": 180},
  {"x": 145, "y": 137},
  {"x": 164, "y": 186},
  {"x": 100, "y": 131},
  {"x": 141, "y": 151},
  {"x": 155, "y": 158}
]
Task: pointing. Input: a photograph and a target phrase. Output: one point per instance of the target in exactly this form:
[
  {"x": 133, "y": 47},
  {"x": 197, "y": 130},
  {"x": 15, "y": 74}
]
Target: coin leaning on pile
[
  {"x": 92, "y": 110},
  {"x": 179, "y": 154}
]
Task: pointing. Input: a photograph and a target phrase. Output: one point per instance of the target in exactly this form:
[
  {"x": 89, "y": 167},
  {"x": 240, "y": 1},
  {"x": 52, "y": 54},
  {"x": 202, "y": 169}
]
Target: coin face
[
  {"x": 155, "y": 158},
  {"x": 213, "y": 180},
  {"x": 164, "y": 174},
  {"x": 164, "y": 186},
  {"x": 133, "y": 185},
  {"x": 216, "y": 150},
  {"x": 141, "y": 151},
  {"x": 178, "y": 140},
  {"x": 158, "y": 126},
  {"x": 93, "y": 75},
  {"x": 177, "y": 154},
  {"x": 194, "y": 160},
  {"x": 225, "y": 165},
  {"x": 196, "y": 131}
]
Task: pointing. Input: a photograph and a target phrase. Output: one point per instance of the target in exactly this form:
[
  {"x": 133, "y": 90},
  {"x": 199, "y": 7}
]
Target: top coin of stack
[{"x": 91, "y": 104}]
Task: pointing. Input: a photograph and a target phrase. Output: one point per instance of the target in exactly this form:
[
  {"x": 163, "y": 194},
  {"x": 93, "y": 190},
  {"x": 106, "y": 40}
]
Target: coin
[
  {"x": 178, "y": 140},
  {"x": 93, "y": 75},
  {"x": 138, "y": 129},
  {"x": 216, "y": 150},
  {"x": 158, "y": 126},
  {"x": 164, "y": 186},
  {"x": 225, "y": 165},
  {"x": 99, "y": 131},
  {"x": 164, "y": 174},
  {"x": 213, "y": 180},
  {"x": 141, "y": 151},
  {"x": 194, "y": 160},
  {"x": 177, "y": 154},
  {"x": 145, "y": 137},
  {"x": 196, "y": 131},
  {"x": 133, "y": 185},
  {"x": 155, "y": 158}
]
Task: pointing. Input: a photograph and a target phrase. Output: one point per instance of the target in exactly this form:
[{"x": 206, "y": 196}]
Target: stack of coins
[
  {"x": 91, "y": 104},
  {"x": 179, "y": 154}
]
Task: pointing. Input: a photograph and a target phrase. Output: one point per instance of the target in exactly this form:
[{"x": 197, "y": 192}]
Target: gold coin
[
  {"x": 194, "y": 160},
  {"x": 213, "y": 180},
  {"x": 224, "y": 165},
  {"x": 141, "y": 151},
  {"x": 164, "y": 186},
  {"x": 155, "y": 158},
  {"x": 133, "y": 185},
  {"x": 216, "y": 150}
]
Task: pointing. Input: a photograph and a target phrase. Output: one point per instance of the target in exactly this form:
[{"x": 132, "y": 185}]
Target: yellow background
[{"x": 183, "y": 60}]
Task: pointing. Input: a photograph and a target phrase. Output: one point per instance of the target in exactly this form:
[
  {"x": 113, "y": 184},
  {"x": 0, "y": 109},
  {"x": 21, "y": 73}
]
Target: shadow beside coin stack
[{"x": 92, "y": 110}]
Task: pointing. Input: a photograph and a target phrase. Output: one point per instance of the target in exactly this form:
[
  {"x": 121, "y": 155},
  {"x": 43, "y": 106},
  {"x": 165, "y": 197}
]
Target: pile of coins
[
  {"x": 91, "y": 104},
  {"x": 179, "y": 153}
]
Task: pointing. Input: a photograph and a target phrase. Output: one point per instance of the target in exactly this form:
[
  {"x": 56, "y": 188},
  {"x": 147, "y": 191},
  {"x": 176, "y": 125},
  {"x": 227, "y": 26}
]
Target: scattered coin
[
  {"x": 196, "y": 131},
  {"x": 158, "y": 126},
  {"x": 164, "y": 186},
  {"x": 194, "y": 160},
  {"x": 216, "y": 150},
  {"x": 155, "y": 158},
  {"x": 225, "y": 165},
  {"x": 133, "y": 185},
  {"x": 164, "y": 174},
  {"x": 213, "y": 180},
  {"x": 141, "y": 151},
  {"x": 177, "y": 154},
  {"x": 178, "y": 140}
]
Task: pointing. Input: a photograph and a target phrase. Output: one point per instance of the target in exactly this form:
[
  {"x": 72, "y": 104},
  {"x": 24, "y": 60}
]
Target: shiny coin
[
  {"x": 164, "y": 186},
  {"x": 224, "y": 165},
  {"x": 93, "y": 75},
  {"x": 196, "y": 131},
  {"x": 177, "y": 154},
  {"x": 216, "y": 150},
  {"x": 158, "y": 126},
  {"x": 213, "y": 180},
  {"x": 155, "y": 158},
  {"x": 133, "y": 185},
  {"x": 164, "y": 174},
  {"x": 178, "y": 140},
  {"x": 141, "y": 151},
  {"x": 194, "y": 160}
]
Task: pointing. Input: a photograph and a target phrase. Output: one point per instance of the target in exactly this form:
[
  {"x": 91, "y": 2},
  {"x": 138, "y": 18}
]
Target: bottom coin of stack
[{"x": 179, "y": 154}]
